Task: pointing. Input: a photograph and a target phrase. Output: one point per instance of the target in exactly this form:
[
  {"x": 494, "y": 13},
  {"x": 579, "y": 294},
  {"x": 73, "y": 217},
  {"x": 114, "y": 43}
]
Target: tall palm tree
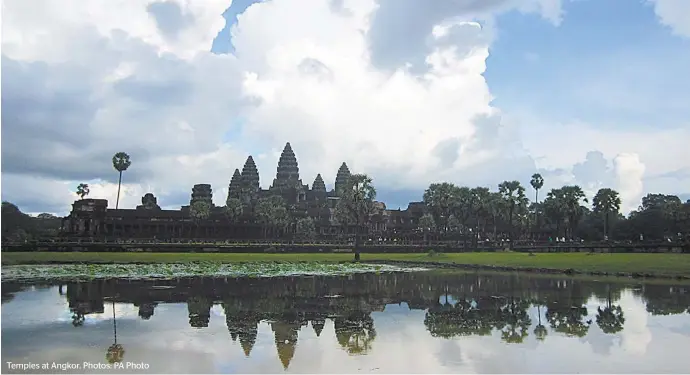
[
  {"x": 120, "y": 162},
  {"x": 537, "y": 183},
  {"x": 83, "y": 190},
  {"x": 573, "y": 195},
  {"x": 605, "y": 201}
]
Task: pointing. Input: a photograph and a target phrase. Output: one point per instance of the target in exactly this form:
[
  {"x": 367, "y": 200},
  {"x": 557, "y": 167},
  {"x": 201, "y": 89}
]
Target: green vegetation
[
  {"x": 654, "y": 264},
  {"x": 19, "y": 227},
  {"x": 474, "y": 213},
  {"x": 356, "y": 206},
  {"x": 83, "y": 190},
  {"x": 205, "y": 268}
]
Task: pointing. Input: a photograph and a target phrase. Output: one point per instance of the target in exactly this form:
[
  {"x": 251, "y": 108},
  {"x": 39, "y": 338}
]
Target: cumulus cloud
[
  {"x": 351, "y": 81},
  {"x": 674, "y": 14},
  {"x": 629, "y": 173}
]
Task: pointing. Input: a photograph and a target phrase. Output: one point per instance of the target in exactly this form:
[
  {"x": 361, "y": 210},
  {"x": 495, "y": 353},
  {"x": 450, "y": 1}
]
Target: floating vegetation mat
[{"x": 174, "y": 270}]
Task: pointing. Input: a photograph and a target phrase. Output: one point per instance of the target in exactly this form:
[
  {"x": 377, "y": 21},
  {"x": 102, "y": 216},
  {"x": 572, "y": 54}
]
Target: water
[{"x": 423, "y": 322}]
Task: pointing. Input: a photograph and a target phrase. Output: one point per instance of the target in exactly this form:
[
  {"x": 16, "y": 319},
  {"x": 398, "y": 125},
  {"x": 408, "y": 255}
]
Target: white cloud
[
  {"x": 674, "y": 14},
  {"x": 85, "y": 81}
]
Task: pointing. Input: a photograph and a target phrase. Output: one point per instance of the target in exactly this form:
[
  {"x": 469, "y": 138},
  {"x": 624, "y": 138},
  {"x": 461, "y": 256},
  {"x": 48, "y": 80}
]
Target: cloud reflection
[{"x": 384, "y": 323}]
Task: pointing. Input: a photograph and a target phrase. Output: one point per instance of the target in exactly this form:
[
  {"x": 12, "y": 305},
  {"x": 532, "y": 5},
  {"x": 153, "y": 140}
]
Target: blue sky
[
  {"x": 600, "y": 48},
  {"x": 166, "y": 83}
]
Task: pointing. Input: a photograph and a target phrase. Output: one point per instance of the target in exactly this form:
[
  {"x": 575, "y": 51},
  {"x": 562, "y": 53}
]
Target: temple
[{"x": 92, "y": 217}]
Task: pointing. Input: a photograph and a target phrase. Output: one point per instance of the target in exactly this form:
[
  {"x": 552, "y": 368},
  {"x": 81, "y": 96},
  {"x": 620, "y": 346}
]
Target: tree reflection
[
  {"x": 355, "y": 332},
  {"x": 610, "y": 319},
  {"x": 116, "y": 351},
  {"x": 568, "y": 319},
  {"x": 540, "y": 331},
  {"x": 517, "y": 321},
  {"x": 475, "y": 305}
]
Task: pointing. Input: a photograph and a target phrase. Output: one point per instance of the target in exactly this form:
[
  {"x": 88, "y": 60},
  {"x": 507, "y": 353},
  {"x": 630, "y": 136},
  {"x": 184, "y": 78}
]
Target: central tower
[{"x": 287, "y": 173}]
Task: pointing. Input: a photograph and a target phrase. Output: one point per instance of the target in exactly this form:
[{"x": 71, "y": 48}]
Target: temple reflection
[{"x": 510, "y": 308}]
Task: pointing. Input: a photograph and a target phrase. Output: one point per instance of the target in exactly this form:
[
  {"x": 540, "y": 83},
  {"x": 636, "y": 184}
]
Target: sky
[{"x": 472, "y": 92}]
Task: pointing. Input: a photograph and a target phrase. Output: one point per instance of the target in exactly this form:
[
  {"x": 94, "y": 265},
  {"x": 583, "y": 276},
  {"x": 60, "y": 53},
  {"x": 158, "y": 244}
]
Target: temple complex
[{"x": 93, "y": 218}]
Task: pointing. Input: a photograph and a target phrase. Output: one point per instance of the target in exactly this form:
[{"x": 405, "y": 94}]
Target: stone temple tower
[
  {"x": 341, "y": 178},
  {"x": 318, "y": 188},
  {"x": 250, "y": 176},
  {"x": 202, "y": 192},
  {"x": 235, "y": 186},
  {"x": 287, "y": 174}
]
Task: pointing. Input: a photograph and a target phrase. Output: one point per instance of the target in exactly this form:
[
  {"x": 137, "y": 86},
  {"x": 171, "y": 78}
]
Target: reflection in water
[
  {"x": 455, "y": 306},
  {"x": 116, "y": 351}
]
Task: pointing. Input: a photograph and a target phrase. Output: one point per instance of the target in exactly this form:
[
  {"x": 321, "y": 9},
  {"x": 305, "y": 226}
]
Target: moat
[{"x": 384, "y": 322}]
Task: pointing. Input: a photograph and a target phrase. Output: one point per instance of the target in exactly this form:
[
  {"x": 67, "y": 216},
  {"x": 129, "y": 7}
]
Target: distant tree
[
  {"x": 513, "y": 194},
  {"x": 427, "y": 224},
  {"x": 440, "y": 200},
  {"x": 495, "y": 208},
  {"x": 606, "y": 201},
  {"x": 555, "y": 209},
  {"x": 537, "y": 183},
  {"x": 199, "y": 210},
  {"x": 480, "y": 208},
  {"x": 271, "y": 212},
  {"x": 121, "y": 162},
  {"x": 573, "y": 197},
  {"x": 357, "y": 204},
  {"x": 83, "y": 190},
  {"x": 233, "y": 209},
  {"x": 46, "y": 216},
  {"x": 305, "y": 228}
]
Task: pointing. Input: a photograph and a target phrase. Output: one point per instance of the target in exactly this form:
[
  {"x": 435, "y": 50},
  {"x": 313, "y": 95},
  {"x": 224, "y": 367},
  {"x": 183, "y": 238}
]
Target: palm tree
[
  {"x": 606, "y": 200},
  {"x": 120, "y": 162},
  {"x": 572, "y": 198},
  {"x": 537, "y": 183},
  {"x": 440, "y": 199},
  {"x": 83, "y": 190},
  {"x": 357, "y": 204},
  {"x": 116, "y": 351},
  {"x": 514, "y": 195}
]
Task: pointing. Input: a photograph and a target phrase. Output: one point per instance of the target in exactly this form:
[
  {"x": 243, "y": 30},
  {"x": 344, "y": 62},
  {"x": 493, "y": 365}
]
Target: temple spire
[
  {"x": 318, "y": 184},
  {"x": 341, "y": 178},
  {"x": 250, "y": 175},
  {"x": 235, "y": 185},
  {"x": 288, "y": 169}
]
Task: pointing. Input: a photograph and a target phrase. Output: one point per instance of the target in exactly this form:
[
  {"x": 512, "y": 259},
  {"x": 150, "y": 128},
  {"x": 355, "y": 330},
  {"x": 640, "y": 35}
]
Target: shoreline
[
  {"x": 635, "y": 266},
  {"x": 530, "y": 270}
]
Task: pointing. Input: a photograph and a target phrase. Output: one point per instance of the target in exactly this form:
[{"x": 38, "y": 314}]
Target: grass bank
[{"x": 647, "y": 265}]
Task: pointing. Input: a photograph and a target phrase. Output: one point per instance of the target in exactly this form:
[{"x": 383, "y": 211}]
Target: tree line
[{"x": 565, "y": 212}]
